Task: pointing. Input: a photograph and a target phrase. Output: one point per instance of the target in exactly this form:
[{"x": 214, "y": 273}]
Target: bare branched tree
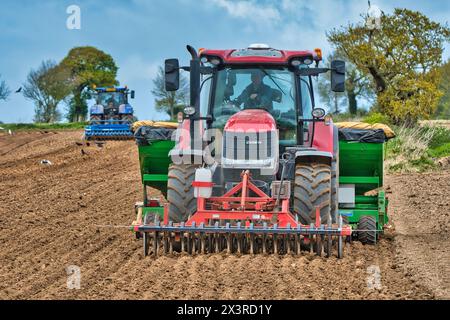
[
  {"x": 170, "y": 102},
  {"x": 47, "y": 87},
  {"x": 4, "y": 90}
]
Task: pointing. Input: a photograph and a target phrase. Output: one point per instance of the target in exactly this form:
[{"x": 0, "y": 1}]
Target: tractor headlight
[
  {"x": 296, "y": 63},
  {"x": 189, "y": 111},
  {"x": 215, "y": 61},
  {"x": 318, "y": 113}
]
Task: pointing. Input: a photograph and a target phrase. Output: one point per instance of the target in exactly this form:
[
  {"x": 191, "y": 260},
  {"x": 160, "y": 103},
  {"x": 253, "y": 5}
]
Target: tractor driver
[
  {"x": 110, "y": 110},
  {"x": 256, "y": 94},
  {"x": 111, "y": 102}
]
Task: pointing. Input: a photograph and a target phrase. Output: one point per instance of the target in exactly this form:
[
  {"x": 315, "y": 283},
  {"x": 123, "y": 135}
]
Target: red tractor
[{"x": 255, "y": 165}]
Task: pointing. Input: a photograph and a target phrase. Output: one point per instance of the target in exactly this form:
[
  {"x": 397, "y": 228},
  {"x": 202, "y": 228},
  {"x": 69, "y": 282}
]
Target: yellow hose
[
  {"x": 155, "y": 124},
  {"x": 366, "y": 126}
]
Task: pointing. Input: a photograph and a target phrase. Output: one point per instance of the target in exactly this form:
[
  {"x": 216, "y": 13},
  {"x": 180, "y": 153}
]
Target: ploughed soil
[{"x": 75, "y": 212}]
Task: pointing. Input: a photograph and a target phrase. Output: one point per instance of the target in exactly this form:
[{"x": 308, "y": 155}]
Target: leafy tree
[
  {"x": 87, "y": 66},
  {"x": 401, "y": 58},
  {"x": 357, "y": 85},
  {"x": 170, "y": 102},
  {"x": 443, "y": 108},
  {"x": 47, "y": 87},
  {"x": 4, "y": 90}
]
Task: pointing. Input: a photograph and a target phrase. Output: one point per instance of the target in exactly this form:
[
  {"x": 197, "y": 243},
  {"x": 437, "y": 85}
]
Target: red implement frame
[{"x": 237, "y": 204}]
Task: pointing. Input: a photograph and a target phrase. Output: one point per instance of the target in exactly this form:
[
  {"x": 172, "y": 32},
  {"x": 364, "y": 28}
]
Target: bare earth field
[{"x": 54, "y": 216}]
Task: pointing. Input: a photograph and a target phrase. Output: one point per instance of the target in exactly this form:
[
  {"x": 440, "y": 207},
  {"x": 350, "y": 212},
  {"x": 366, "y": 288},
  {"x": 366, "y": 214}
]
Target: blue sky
[{"x": 140, "y": 34}]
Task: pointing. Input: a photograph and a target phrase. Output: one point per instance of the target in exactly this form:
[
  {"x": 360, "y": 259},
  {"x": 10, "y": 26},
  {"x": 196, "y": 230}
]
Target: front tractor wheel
[
  {"x": 312, "y": 189},
  {"x": 180, "y": 192},
  {"x": 96, "y": 119},
  {"x": 128, "y": 117}
]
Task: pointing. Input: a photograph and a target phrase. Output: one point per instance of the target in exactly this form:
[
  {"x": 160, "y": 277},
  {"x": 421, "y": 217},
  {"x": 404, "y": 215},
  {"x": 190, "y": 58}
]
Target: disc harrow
[
  {"x": 109, "y": 135},
  {"x": 243, "y": 225},
  {"x": 240, "y": 239},
  {"x": 109, "y": 130}
]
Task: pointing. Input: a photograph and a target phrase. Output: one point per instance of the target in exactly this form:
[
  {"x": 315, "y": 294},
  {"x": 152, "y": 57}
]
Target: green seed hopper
[
  {"x": 361, "y": 167},
  {"x": 361, "y": 159},
  {"x": 154, "y": 143}
]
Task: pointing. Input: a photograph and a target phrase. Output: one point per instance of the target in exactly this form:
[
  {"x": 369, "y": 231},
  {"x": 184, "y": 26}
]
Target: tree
[
  {"x": 443, "y": 108},
  {"x": 356, "y": 85},
  {"x": 4, "y": 90},
  {"x": 170, "y": 102},
  {"x": 402, "y": 60},
  {"x": 87, "y": 66},
  {"x": 47, "y": 87}
]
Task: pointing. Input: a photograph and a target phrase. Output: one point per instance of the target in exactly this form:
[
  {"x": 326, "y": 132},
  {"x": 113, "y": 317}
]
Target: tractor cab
[
  {"x": 272, "y": 89},
  {"x": 111, "y": 104},
  {"x": 261, "y": 78}
]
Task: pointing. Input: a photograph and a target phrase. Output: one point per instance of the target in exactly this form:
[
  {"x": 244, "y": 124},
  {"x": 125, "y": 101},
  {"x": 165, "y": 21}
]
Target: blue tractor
[{"x": 111, "y": 117}]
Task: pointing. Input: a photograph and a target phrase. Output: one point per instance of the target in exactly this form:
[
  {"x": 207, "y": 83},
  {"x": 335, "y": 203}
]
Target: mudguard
[
  {"x": 324, "y": 137},
  {"x": 125, "y": 109},
  {"x": 309, "y": 155}
]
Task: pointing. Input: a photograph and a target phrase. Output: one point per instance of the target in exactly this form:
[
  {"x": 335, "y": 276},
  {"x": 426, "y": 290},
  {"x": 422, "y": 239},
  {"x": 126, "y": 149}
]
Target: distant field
[
  {"x": 42, "y": 126},
  {"x": 432, "y": 123}
]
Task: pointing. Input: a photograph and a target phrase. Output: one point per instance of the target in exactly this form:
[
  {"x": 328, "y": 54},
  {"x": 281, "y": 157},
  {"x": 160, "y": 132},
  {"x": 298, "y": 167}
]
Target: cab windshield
[
  {"x": 105, "y": 98},
  {"x": 257, "y": 88}
]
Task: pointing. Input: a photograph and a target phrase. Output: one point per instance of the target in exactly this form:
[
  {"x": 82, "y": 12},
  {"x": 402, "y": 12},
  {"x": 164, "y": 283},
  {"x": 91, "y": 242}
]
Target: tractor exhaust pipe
[{"x": 194, "y": 68}]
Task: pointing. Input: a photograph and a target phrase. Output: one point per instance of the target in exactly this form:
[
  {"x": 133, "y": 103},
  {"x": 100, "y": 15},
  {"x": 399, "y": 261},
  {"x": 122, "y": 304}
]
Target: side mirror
[
  {"x": 338, "y": 76},
  {"x": 132, "y": 94},
  {"x": 172, "y": 74}
]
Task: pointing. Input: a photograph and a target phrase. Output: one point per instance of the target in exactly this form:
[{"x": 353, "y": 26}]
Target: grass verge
[
  {"x": 42, "y": 126},
  {"x": 417, "y": 149}
]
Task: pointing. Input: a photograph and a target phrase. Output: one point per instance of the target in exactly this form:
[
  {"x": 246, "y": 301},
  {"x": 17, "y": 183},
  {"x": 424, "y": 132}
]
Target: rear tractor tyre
[
  {"x": 312, "y": 189},
  {"x": 368, "y": 225},
  {"x": 180, "y": 192}
]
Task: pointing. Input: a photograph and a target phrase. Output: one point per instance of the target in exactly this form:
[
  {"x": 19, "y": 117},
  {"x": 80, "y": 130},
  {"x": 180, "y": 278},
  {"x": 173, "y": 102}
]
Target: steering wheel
[{"x": 276, "y": 114}]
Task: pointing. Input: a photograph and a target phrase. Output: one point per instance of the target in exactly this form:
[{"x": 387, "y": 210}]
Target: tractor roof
[
  {"x": 260, "y": 54},
  {"x": 111, "y": 89}
]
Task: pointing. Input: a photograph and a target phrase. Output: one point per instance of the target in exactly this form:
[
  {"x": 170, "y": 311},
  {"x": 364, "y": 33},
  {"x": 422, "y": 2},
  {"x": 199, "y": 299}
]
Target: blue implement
[{"x": 108, "y": 129}]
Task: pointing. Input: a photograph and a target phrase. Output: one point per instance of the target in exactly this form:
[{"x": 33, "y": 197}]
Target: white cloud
[
  {"x": 292, "y": 24},
  {"x": 249, "y": 10}
]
